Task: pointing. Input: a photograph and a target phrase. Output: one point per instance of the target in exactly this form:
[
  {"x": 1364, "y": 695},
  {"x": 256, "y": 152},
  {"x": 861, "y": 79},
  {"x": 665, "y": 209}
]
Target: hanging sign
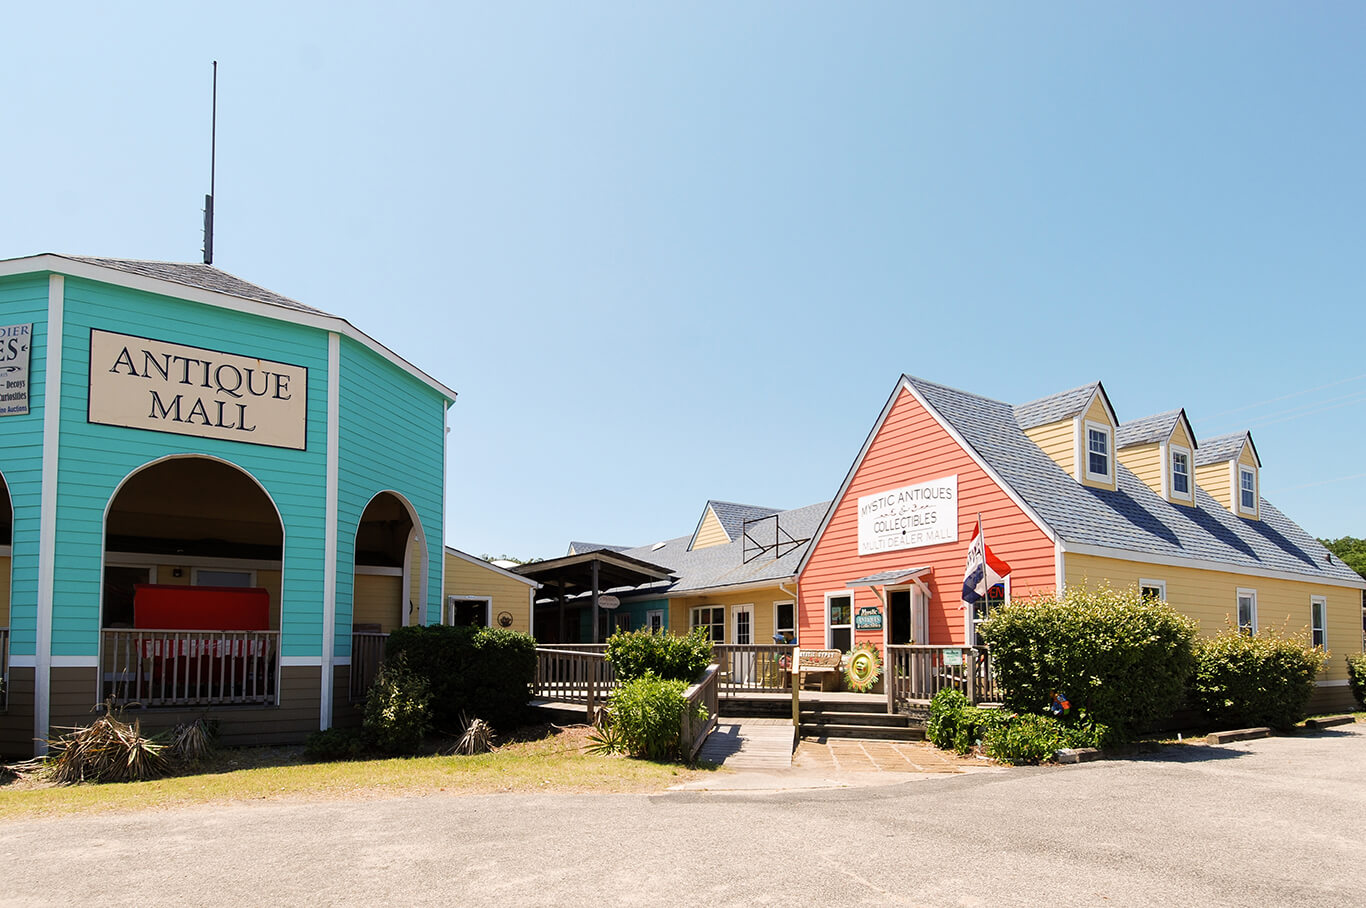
[
  {"x": 606, "y": 600},
  {"x": 868, "y": 618},
  {"x": 953, "y": 656},
  {"x": 150, "y": 384},
  {"x": 15, "y": 341},
  {"x": 925, "y": 513}
]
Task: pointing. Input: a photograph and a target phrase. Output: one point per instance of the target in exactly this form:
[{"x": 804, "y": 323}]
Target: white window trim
[
  {"x": 195, "y": 571},
  {"x": 1189, "y": 494},
  {"x": 778, "y": 629},
  {"x": 829, "y": 628},
  {"x": 1322, "y": 603},
  {"x": 1238, "y": 470},
  {"x": 1239, "y": 595},
  {"x": 448, "y": 613},
  {"x": 1107, "y": 477},
  {"x": 1159, "y": 585},
  {"x": 725, "y": 618},
  {"x": 650, "y": 618}
]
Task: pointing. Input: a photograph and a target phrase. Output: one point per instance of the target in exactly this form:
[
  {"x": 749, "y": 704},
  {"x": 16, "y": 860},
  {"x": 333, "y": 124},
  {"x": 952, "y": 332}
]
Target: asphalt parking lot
[{"x": 1276, "y": 821}]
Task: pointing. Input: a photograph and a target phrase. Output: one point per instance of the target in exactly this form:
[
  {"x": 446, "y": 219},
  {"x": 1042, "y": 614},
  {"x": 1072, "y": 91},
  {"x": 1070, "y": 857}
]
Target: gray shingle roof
[
  {"x": 1133, "y": 517},
  {"x": 202, "y": 277},
  {"x": 723, "y": 565},
  {"x": 1148, "y": 430},
  {"x": 1220, "y": 448},
  {"x": 1054, "y": 407},
  {"x": 732, "y": 516},
  {"x": 583, "y": 548}
]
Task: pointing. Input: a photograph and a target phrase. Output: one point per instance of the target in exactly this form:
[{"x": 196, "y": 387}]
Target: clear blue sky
[{"x": 672, "y": 252}]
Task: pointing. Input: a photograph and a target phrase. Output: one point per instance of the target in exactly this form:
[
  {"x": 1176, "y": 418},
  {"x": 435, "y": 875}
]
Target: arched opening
[
  {"x": 389, "y": 585},
  {"x": 6, "y": 561},
  {"x": 193, "y": 555}
]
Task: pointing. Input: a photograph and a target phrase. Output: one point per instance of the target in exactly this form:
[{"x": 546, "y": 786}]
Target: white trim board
[{"x": 47, "y": 521}]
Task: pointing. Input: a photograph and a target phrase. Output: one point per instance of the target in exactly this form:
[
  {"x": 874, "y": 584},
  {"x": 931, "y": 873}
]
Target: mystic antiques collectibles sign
[
  {"x": 15, "y": 341},
  {"x": 165, "y": 387},
  {"x": 868, "y": 618},
  {"x": 925, "y": 513}
]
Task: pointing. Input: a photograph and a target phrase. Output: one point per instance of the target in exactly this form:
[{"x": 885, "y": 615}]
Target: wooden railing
[
  {"x": 367, "y": 652},
  {"x": 574, "y": 675},
  {"x": 190, "y": 668},
  {"x": 753, "y": 668},
  {"x": 693, "y": 728},
  {"x": 4, "y": 667},
  {"x": 914, "y": 674}
]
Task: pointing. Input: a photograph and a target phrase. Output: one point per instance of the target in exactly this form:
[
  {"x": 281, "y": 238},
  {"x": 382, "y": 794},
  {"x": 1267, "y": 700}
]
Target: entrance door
[
  {"x": 900, "y": 630},
  {"x": 742, "y": 634},
  {"x": 920, "y": 618}
]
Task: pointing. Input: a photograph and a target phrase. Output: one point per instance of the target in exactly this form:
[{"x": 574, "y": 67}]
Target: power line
[
  {"x": 1322, "y": 482},
  {"x": 1272, "y": 400}
]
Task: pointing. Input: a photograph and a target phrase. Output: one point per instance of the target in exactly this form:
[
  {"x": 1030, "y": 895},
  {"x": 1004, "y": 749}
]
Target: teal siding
[
  {"x": 95, "y": 459},
  {"x": 24, "y": 299},
  {"x": 638, "y": 610},
  {"x": 392, "y": 438}
]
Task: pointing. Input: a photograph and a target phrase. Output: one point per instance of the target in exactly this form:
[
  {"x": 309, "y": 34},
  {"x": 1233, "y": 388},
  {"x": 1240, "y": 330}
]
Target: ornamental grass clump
[
  {"x": 106, "y": 750},
  {"x": 1121, "y": 660},
  {"x": 1257, "y": 679}
]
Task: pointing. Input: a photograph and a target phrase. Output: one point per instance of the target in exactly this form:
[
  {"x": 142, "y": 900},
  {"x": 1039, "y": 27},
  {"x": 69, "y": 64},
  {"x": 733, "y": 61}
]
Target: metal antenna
[{"x": 213, "y": 165}]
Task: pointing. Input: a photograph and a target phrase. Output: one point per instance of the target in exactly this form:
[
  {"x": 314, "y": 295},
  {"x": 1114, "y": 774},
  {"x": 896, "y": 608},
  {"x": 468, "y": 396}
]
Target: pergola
[{"x": 590, "y": 574}]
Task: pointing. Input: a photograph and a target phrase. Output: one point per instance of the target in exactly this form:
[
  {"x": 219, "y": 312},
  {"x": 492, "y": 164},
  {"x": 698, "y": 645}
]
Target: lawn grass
[{"x": 554, "y": 763}]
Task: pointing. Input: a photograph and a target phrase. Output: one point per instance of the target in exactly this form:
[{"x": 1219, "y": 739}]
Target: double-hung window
[
  {"x": 1180, "y": 473},
  {"x": 1098, "y": 463},
  {"x": 1247, "y": 490},
  {"x": 1247, "y": 612}
]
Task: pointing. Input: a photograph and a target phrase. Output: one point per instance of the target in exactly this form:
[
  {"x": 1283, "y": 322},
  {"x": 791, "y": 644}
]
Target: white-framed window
[
  {"x": 785, "y": 620},
  {"x": 1247, "y": 490},
  {"x": 654, "y": 619},
  {"x": 713, "y": 618},
  {"x": 1318, "y": 621},
  {"x": 1179, "y": 469},
  {"x": 1099, "y": 464},
  {"x": 839, "y": 624},
  {"x": 1247, "y": 611},
  {"x": 1155, "y": 590},
  {"x": 467, "y": 611},
  {"x": 982, "y": 609},
  {"x": 215, "y": 577}
]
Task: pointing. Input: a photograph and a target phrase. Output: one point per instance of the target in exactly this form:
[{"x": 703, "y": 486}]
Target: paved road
[{"x": 1272, "y": 822}]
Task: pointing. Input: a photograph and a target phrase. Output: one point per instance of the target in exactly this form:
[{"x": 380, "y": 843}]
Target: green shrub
[
  {"x": 336, "y": 744},
  {"x": 635, "y": 654},
  {"x": 956, "y": 725},
  {"x": 1356, "y": 677},
  {"x": 647, "y": 713},
  {"x": 1260, "y": 679},
  {"x": 1004, "y": 736},
  {"x": 1026, "y": 738},
  {"x": 397, "y": 708},
  {"x": 1121, "y": 660},
  {"x": 484, "y": 672}
]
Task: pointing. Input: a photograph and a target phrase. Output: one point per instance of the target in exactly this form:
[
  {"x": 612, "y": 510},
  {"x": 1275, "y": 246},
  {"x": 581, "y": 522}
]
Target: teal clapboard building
[{"x": 194, "y": 472}]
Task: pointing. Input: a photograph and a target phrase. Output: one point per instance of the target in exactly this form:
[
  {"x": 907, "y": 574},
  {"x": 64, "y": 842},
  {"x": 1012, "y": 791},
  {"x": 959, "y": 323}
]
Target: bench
[{"x": 827, "y": 663}]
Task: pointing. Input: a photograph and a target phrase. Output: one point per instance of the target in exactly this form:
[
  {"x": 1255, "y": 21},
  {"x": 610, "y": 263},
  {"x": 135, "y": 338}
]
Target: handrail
[
  {"x": 758, "y": 667},
  {"x": 170, "y": 667},
  {"x": 693, "y": 731},
  {"x": 916, "y": 672},
  {"x": 574, "y": 676}
]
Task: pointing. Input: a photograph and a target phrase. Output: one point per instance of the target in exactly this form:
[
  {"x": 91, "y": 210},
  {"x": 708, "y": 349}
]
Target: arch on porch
[{"x": 390, "y": 582}]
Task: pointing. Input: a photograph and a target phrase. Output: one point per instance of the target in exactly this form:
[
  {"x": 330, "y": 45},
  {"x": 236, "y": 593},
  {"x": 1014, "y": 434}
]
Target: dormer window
[
  {"x": 1180, "y": 473},
  {"x": 1098, "y": 452},
  {"x": 1247, "y": 490}
]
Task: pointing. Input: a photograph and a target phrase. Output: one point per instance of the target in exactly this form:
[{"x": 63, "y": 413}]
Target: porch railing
[
  {"x": 190, "y": 668},
  {"x": 367, "y": 652},
  {"x": 574, "y": 675},
  {"x": 753, "y": 668},
  {"x": 914, "y": 674},
  {"x": 694, "y": 729}
]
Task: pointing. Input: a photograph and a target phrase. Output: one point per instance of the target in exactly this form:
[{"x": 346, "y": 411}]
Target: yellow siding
[
  {"x": 710, "y": 532},
  {"x": 4, "y": 590},
  {"x": 508, "y": 595},
  {"x": 680, "y": 611},
  {"x": 1180, "y": 437},
  {"x": 1210, "y": 597},
  {"x": 1097, "y": 413},
  {"x": 1214, "y": 479},
  {"x": 1059, "y": 441},
  {"x": 377, "y": 599},
  {"x": 1247, "y": 460},
  {"x": 1145, "y": 462}
]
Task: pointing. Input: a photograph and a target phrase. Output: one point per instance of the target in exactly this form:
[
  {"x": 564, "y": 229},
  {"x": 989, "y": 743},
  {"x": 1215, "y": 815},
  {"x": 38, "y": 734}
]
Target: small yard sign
[{"x": 953, "y": 656}]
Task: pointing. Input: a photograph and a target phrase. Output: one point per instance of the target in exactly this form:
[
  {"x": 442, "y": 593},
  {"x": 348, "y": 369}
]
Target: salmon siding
[{"x": 910, "y": 446}]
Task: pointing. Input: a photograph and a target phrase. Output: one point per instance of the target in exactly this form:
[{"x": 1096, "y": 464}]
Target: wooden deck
[{"x": 751, "y": 744}]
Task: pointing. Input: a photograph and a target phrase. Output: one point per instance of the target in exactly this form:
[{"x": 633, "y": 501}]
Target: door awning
[{"x": 892, "y": 578}]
